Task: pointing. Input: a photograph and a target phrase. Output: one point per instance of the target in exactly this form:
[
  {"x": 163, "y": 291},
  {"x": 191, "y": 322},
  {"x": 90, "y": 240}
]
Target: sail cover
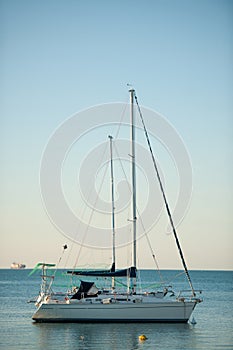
[{"x": 129, "y": 272}]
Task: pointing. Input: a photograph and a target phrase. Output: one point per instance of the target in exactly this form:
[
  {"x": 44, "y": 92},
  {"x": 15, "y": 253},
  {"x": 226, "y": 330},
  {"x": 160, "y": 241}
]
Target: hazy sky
[{"x": 61, "y": 57}]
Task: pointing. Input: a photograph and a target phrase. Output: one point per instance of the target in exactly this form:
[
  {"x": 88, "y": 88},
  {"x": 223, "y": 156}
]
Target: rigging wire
[
  {"x": 92, "y": 211},
  {"x": 121, "y": 120},
  {"x": 151, "y": 249},
  {"x": 138, "y": 213},
  {"x": 90, "y": 192},
  {"x": 57, "y": 265},
  {"x": 165, "y": 199}
]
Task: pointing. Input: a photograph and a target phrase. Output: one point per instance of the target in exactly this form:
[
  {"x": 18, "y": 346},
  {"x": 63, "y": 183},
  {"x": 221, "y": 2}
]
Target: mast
[
  {"x": 113, "y": 215},
  {"x": 133, "y": 170}
]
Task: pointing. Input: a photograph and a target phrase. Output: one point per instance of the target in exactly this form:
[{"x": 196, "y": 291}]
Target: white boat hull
[{"x": 158, "y": 311}]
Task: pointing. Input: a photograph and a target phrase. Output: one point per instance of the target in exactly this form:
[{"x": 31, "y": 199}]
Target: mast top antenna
[{"x": 130, "y": 87}]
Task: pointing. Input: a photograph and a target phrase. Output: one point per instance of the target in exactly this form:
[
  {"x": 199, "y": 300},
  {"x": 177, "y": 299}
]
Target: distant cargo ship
[{"x": 17, "y": 266}]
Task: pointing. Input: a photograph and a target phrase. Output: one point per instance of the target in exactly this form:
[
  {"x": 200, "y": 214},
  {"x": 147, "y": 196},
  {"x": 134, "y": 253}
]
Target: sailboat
[{"x": 91, "y": 304}]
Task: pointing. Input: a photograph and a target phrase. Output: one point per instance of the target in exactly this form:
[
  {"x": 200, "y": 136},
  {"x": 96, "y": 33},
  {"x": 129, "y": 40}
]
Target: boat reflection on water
[{"x": 114, "y": 336}]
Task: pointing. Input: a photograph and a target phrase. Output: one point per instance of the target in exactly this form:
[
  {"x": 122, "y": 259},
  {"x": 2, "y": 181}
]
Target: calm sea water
[{"x": 213, "y": 330}]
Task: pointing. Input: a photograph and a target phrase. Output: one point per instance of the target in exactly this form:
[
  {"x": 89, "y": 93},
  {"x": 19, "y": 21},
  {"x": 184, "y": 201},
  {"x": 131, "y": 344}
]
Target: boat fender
[{"x": 67, "y": 300}]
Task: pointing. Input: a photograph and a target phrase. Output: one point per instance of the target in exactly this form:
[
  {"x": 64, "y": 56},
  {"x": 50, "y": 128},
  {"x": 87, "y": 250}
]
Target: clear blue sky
[{"x": 59, "y": 57}]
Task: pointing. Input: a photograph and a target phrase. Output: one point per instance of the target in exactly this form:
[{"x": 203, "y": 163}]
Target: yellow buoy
[{"x": 142, "y": 337}]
